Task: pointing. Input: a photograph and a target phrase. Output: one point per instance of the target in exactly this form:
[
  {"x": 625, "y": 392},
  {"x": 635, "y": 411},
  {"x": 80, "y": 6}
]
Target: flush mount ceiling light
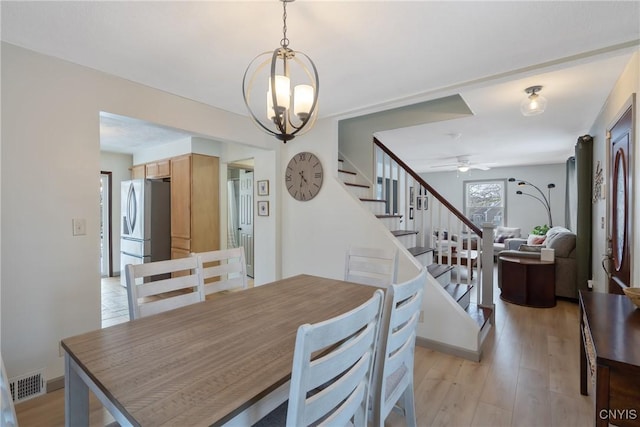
[
  {"x": 533, "y": 104},
  {"x": 271, "y": 75}
]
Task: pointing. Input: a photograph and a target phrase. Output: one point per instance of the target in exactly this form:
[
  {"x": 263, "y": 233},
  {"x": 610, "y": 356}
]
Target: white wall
[
  {"x": 628, "y": 84},
  {"x": 119, "y": 165},
  {"x": 522, "y": 211},
  {"x": 50, "y": 169},
  {"x": 315, "y": 233}
]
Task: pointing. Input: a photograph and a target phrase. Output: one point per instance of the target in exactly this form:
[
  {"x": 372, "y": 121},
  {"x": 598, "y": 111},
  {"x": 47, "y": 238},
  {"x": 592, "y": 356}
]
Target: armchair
[{"x": 563, "y": 242}]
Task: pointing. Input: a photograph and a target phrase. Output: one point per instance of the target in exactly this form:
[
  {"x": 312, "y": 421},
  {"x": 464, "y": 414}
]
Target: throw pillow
[
  {"x": 538, "y": 240},
  {"x": 502, "y": 237}
]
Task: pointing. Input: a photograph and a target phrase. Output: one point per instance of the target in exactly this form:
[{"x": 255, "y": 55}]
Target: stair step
[
  {"x": 350, "y": 184},
  {"x": 349, "y": 172},
  {"x": 480, "y": 314},
  {"x": 419, "y": 250},
  {"x": 458, "y": 290},
  {"x": 437, "y": 270},
  {"x": 399, "y": 233}
]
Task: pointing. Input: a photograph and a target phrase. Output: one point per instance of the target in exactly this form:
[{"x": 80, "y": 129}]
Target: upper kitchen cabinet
[
  {"x": 157, "y": 170},
  {"x": 195, "y": 204},
  {"x": 137, "y": 172}
]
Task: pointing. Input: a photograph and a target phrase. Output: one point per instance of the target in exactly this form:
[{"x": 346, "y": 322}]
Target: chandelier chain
[{"x": 285, "y": 41}]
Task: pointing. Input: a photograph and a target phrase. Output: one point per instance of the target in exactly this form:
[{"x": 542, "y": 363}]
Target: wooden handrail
[{"x": 431, "y": 190}]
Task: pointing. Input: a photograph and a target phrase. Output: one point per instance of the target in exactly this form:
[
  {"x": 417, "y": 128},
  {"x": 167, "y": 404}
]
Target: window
[{"x": 485, "y": 201}]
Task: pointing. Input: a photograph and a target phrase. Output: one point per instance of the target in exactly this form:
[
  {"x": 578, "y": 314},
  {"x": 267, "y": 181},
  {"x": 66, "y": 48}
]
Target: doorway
[
  {"x": 620, "y": 167},
  {"x": 106, "y": 246},
  {"x": 240, "y": 210}
]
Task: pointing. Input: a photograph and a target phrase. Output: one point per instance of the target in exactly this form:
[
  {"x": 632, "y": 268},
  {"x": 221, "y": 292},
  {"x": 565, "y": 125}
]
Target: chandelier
[{"x": 285, "y": 113}]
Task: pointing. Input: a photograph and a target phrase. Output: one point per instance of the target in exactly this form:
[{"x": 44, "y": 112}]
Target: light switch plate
[{"x": 79, "y": 226}]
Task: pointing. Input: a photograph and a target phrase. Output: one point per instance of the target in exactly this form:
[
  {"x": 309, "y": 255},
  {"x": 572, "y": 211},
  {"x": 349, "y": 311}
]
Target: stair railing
[{"x": 440, "y": 225}]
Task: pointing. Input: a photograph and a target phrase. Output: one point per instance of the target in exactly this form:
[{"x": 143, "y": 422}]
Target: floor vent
[{"x": 27, "y": 386}]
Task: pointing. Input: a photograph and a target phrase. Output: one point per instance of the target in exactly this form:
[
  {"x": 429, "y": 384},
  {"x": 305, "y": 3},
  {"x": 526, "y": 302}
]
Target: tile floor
[{"x": 114, "y": 302}]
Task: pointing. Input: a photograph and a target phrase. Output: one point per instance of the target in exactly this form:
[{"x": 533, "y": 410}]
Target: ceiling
[{"x": 371, "y": 56}]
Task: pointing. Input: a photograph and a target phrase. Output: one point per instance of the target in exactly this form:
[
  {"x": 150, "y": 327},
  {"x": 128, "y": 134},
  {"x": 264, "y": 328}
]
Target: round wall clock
[{"x": 303, "y": 176}]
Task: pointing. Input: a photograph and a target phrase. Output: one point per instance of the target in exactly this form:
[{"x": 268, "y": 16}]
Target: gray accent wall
[{"x": 522, "y": 211}]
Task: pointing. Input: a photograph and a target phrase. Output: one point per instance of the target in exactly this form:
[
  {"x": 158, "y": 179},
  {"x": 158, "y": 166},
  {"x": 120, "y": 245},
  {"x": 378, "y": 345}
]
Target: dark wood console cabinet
[
  {"x": 610, "y": 351},
  {"x": 528, "y": 281}
]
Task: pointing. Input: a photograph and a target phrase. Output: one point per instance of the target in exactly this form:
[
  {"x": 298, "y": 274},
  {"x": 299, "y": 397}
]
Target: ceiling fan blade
[
  {"x": 481, "y": 167},
  {"x": 449, "y": 165}
]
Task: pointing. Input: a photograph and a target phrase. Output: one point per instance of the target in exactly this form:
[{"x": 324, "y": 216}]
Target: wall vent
[{"x": 27, "y": 386}]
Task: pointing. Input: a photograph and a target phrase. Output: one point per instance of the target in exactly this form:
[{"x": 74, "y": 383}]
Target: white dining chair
[
  {"x": 223, "y": 270},
  {"x": 333, "y": 388},
  {"x": 154, "y": 287},
  {"x": 371, "y": 266},
  {"x": 347, "y": 343},
  {"x": 7, "y": 409},
  {"x": 393, "y": 372}
]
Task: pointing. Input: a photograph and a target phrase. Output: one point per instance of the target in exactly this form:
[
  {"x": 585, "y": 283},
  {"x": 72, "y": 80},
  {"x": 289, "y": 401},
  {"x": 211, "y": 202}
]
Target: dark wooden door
[{"x": 620, "y": 192}]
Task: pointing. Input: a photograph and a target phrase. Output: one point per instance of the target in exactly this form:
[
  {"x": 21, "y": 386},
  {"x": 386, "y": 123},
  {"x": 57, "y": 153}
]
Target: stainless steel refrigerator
[{"x": 146, "y": 222}]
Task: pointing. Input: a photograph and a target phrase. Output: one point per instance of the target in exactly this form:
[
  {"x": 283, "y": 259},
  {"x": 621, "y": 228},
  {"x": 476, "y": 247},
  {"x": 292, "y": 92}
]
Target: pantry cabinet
[{"x": 195, "y": 204}]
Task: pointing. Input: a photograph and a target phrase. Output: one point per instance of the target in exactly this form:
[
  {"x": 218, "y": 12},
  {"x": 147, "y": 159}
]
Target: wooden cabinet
[
  {"x": 195, "y": 204},
  {"x": 528, "y": 281},
  {"x": 156, "y": 170},
  {"x": 610, "y": 352},
  {"x": 137, "y": 172}
]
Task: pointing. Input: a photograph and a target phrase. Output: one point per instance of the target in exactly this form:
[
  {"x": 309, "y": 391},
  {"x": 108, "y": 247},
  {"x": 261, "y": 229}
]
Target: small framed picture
[
  {"x": 425, "y": 203},
  {"x": 263, "y": 188},
  {"x": 263, "y": 208},
  {"x": 411, "y": 196},
  {"x": 410, "y": 213},
  {"x": 419, "y": 203}
]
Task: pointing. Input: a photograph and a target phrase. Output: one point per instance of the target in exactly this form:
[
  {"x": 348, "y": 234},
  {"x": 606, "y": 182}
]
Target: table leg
[
  {"x": 602, "y": 396},
  {"x": 76, "y": 395}
]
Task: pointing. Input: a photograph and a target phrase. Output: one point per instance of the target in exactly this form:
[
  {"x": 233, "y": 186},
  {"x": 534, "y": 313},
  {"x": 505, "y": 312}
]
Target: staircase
[{"x": 420, "y": 233}]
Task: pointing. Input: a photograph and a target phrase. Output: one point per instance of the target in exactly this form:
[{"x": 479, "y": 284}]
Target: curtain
[
  {"x": 584, "y": 166},
  {"x": 571, "y": 195}
]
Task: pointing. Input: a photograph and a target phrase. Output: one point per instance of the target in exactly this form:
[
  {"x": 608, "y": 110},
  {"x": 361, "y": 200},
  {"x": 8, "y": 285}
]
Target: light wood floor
[{"x": 528, "y": 376}]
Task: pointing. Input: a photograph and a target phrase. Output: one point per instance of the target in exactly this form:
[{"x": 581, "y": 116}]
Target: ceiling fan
[{"x": 463, "y": 164}]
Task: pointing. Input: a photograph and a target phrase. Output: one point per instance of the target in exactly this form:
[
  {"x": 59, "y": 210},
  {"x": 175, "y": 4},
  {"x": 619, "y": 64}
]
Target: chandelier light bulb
[
  {"x": 302, "y": 101},
  {"x": 283, "y": 95}
]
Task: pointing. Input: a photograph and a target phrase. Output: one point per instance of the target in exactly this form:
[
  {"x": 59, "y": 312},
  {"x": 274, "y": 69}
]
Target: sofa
[
  {"x": 563, "y": 242},
  {"x": 503, "y": 237}
]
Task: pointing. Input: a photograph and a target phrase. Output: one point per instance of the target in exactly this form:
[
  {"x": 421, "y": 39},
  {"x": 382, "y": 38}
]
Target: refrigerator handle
[
  {"x": 132, "y": 208},
  {"x": 132, "y": 255}
]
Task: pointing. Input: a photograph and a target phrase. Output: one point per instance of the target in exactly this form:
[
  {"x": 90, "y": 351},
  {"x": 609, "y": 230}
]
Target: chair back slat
[
  {"x": 159, "y": 286},
  {"x": 347, "y": 346},
  {"x": 371, "y": 266},
  {"x": 223, "y": 270}
]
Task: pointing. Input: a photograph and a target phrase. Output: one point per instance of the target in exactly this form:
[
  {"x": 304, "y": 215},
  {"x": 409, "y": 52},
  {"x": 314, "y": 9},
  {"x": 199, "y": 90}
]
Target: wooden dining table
[{"x": 222, "y": 361}]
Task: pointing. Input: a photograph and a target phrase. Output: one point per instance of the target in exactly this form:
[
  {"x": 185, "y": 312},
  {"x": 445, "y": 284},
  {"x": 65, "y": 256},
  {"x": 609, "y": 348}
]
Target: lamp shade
[{"x": 533, "y": 104}]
